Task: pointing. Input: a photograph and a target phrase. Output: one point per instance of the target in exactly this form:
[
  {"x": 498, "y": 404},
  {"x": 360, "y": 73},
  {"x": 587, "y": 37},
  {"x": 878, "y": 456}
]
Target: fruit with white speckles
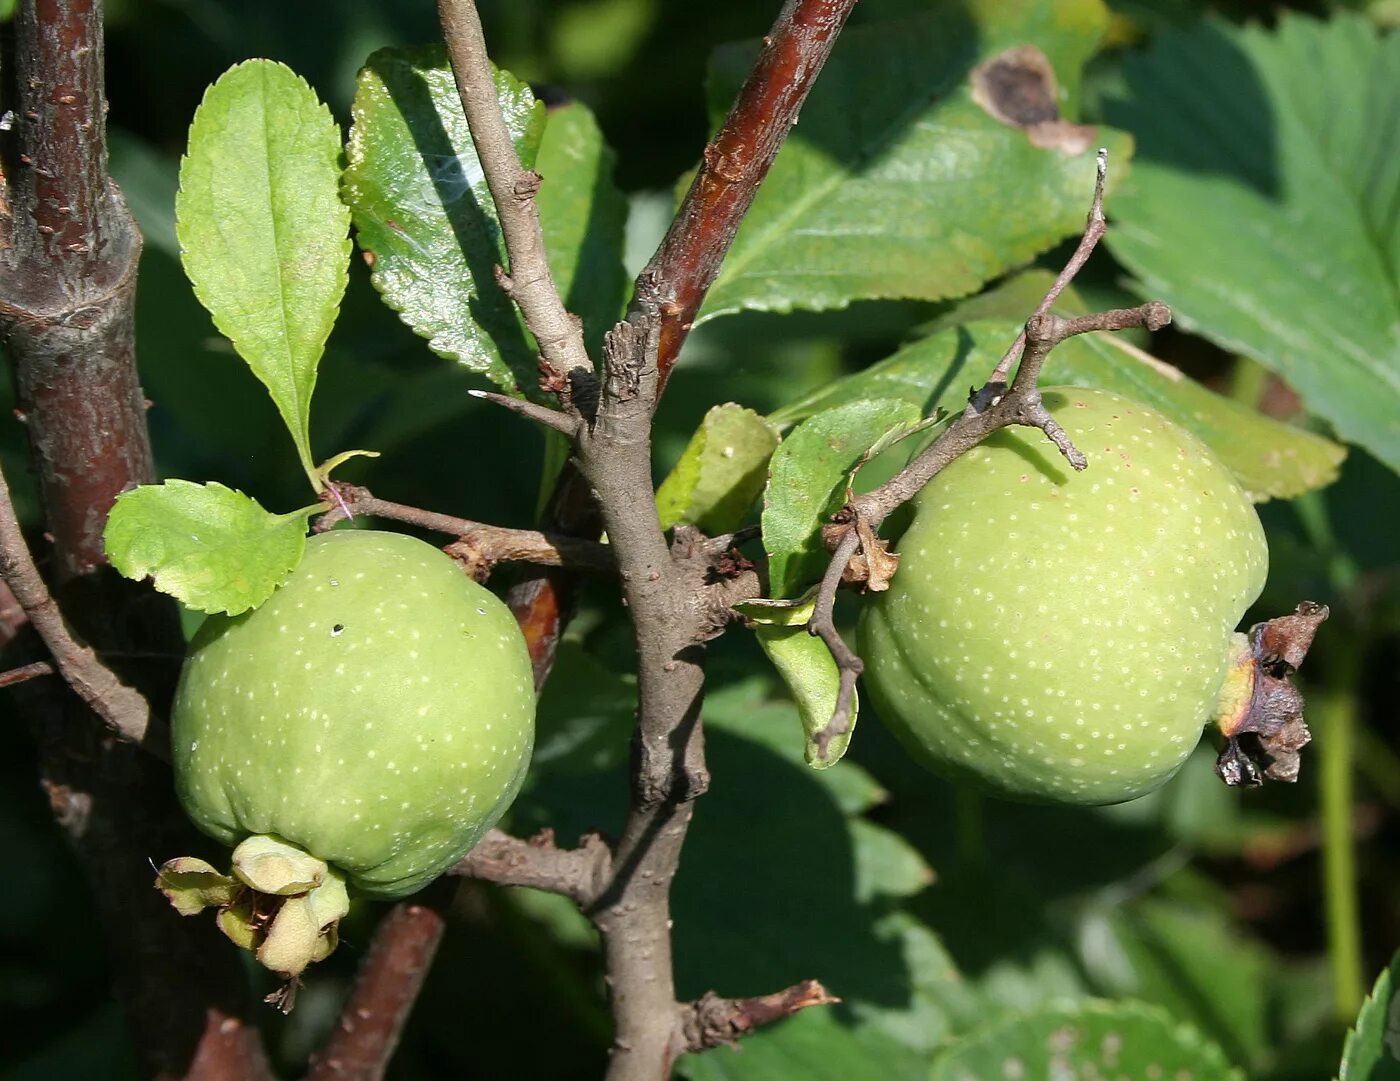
[
  {"x": 377, "y": 712},
  {"x": 1063, "y": 636}
]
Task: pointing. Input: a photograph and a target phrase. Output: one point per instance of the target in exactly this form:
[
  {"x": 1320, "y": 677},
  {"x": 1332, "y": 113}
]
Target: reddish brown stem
[
  {"x": 386, "y": 987},
  {"x": 734, "y": 164},
  {"x": 67, "y": 293}
]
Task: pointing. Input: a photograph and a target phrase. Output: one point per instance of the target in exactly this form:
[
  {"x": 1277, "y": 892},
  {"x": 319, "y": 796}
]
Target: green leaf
[
  {"x": 720, "y": 473},
  {"x": 1267, "y": 457},
  {"x": 1109, "y": 1039},
  {"x": 896, "y": 182},
  {"x": 262, "y": 229},
  {"x": 584, "y": 217},
  {"x": 1373, "y": 1046},
  {"x": 808, "y": 480},
  {"x": 1263, "y": 205},
  {"x": 424, "y": 215},
  {"x": 807, "y": 667},
  {"x": 212, "y": 548},
  {"x": 1193, "y": 961}
]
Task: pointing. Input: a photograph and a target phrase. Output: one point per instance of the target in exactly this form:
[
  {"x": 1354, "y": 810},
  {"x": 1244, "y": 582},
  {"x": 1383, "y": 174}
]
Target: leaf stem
[{"x": 1338, "y": 713}]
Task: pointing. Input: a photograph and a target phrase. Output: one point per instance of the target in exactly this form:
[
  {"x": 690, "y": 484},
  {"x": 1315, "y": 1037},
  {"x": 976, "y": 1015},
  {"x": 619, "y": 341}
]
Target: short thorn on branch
[
  {"x": 541, "y": 414},
  {"x": 710, "y": 1021}
]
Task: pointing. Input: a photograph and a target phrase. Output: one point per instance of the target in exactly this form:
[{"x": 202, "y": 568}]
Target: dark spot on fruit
[{"x": 337, "y": 630}]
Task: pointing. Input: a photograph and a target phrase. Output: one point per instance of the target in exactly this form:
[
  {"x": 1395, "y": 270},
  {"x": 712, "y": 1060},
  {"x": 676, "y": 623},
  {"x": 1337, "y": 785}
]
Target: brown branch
[
  {"x": 67, "y": 298},
  {"x": 25, "y": 672},
  {"x": 513, "y": 187},
  {"x": 538, "y": 863},
  {"x": 563, "y": 423},
  {"x": 849, "y": 666},
  {"x": 386, "y": 986},
  {"x": 613, "y": 450},
  {"x": 124, "y": 710},
  {"x": 1093, "y": 233},
  {"x": 710, "y": 1021},
  {"x": 481, "y": 544},
  {"x": 733, "y": 166},
  {"x": 684, "y": 267}
]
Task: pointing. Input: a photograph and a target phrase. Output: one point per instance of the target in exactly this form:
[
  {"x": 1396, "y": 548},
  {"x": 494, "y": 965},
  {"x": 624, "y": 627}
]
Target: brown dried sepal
[
  {"x": 1264, "y": 728},
  {"x": 873, "y": 564}
]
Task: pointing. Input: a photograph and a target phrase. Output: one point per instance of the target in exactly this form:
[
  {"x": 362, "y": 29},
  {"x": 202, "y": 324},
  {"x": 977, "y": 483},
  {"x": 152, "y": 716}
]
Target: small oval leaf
[{"x": 213, "y": 548}]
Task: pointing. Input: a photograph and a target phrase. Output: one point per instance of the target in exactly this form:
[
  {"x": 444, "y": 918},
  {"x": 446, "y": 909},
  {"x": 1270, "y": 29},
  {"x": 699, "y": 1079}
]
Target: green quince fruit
[
  {"x": 376, "y": 714},
  {"x": 1062, "y": 636}
]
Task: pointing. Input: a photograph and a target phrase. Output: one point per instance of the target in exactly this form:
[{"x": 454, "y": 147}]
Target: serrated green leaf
[
  {"x": 721, "y": 472},
  {"x": 263, "y": 233},
  {"x": 424, "y": 214},
  {"x": 584, "y": 218},
  {"x": 1110, "y": 1039},
  {"x": 807, "y": 667},
  {"x": 1263, "y": 206},
  {"x": 1373, "y": 1046},
  {"x": 212, "y": 548},
  {"x": 1268, "y": 458},
  {"x": 896, "y": 183},
  {"x": 1191, "y": 960},
  {"x": 808, "y": 480}
]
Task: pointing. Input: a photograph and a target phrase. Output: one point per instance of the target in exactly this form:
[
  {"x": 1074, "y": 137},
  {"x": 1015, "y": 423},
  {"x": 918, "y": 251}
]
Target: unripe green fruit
[
  {"x": 377, "y": 712},
  {"x": 1053, "y": 635}
]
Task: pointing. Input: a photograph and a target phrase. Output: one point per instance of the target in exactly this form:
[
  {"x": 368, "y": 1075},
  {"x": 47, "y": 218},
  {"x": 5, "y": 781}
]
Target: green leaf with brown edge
[
  {"x": 1262, "y": 206},
  {"x": 1372, "y": 1050},
  {"x": 213, "y": 548},
  {"x": 1087, "y": 1039},
  {"x": 899, "y": 182},
  {"x": 1270, "y": 459},
  {"x": 424, "y": 215},
  {"x": 263, "y": 233},
  {"x": 809, "y": 479},
  {"x": 720, "y": 473},
  {"x": 583, "y": 216},
  {"x": 807, "y": 667}
]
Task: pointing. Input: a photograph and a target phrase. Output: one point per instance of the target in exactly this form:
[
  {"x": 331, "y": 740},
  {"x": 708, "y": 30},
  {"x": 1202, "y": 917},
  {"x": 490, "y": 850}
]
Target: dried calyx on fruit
[
  {"x": 356, "y": 734},
  {"x": 1063, "y": 636}
]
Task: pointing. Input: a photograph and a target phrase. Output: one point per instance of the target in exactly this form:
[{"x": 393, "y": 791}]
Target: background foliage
[{"x": 1263, "y": 208}]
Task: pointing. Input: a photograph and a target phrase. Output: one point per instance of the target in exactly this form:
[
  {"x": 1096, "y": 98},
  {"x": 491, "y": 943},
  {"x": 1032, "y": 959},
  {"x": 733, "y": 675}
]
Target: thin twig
[
  {"x": 562, "y": 423},
  {"x": 25, "y": 672},
  {"x": 126, "y": 712},
  {"x": 538, "y": 863},
  {"x": 386, "y": 986},
  {"x": 486, "y": 544},
  {"x": 1093, "y": 233},
  {"x": 513, "y": 187},
  {"x": 849, "y": 666},
  {"x": 733, "y": 166}
]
